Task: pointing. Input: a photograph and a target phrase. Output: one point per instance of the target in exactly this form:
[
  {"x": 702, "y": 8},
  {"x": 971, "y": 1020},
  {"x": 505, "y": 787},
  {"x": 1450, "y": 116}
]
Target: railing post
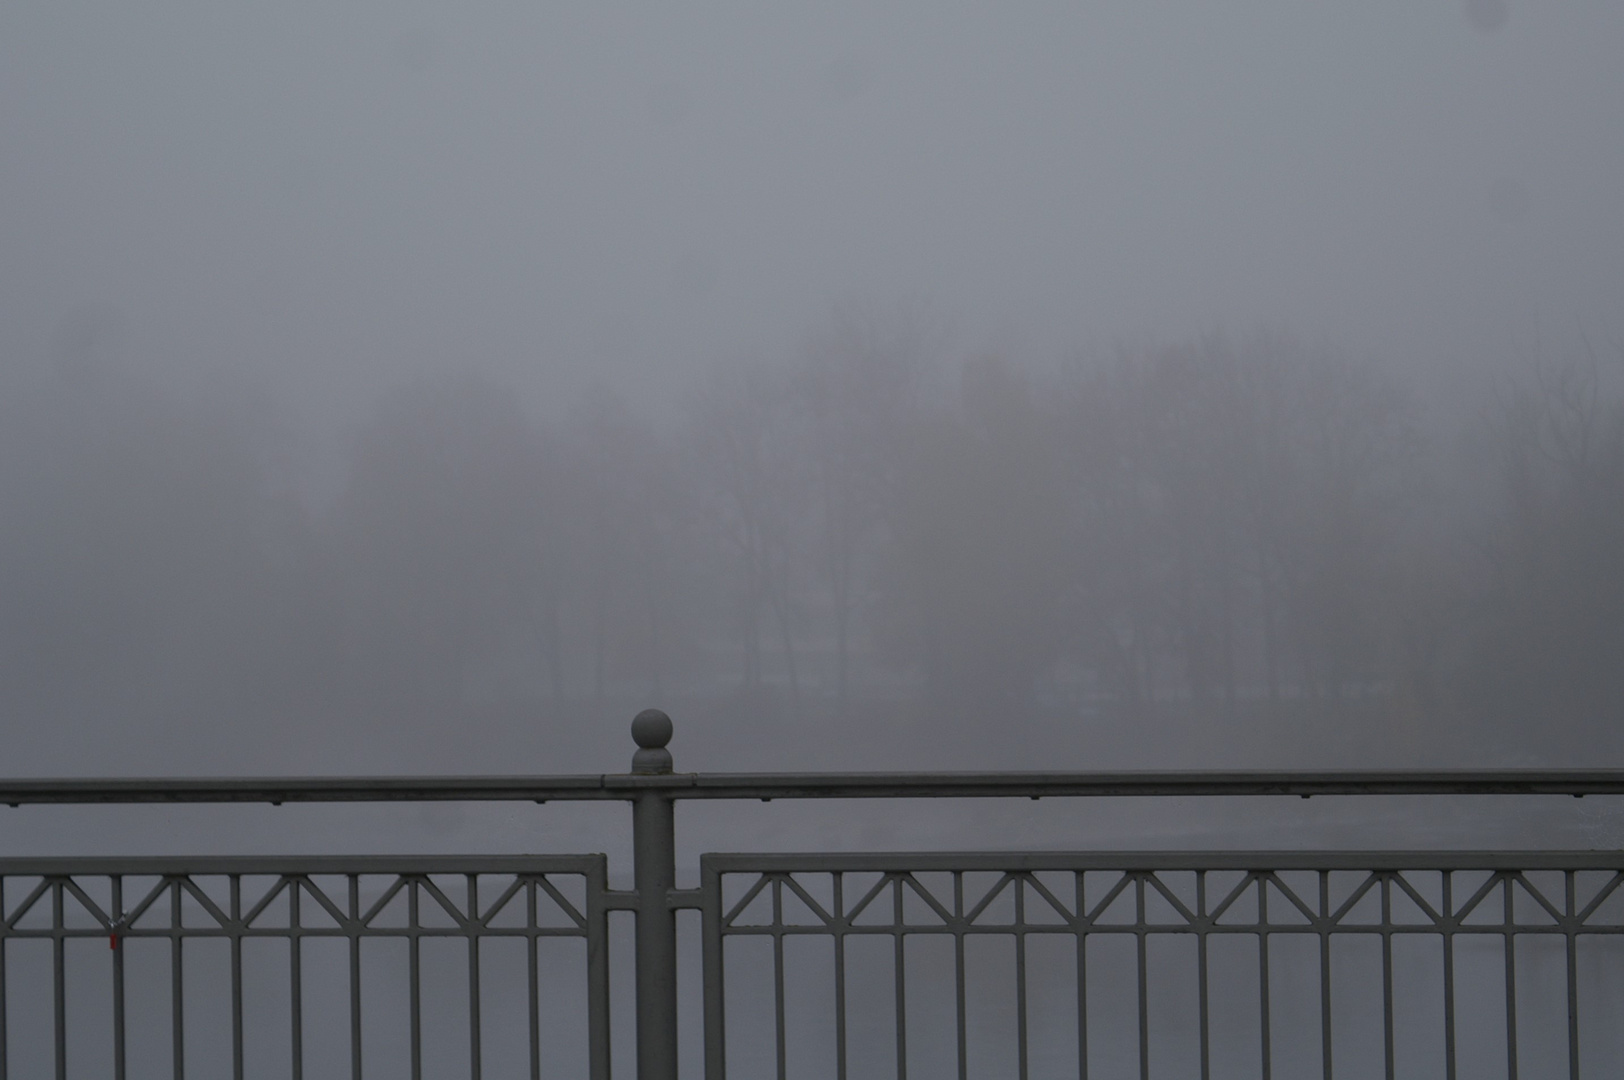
[{"x": 654, "y": 872}]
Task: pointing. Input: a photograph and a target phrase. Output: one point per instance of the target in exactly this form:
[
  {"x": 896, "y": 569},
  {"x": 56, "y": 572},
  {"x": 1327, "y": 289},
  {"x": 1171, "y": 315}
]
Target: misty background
[
  {"x": 425, "y": 388},
  {"x": 416, "y": 388}
]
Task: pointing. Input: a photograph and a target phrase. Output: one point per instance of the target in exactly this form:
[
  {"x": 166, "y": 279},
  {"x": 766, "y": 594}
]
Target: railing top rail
[
  {"x": 856, "y": 785},
  {"x": 1140, "y": 860},
  {"x": 298, "y": 865}
]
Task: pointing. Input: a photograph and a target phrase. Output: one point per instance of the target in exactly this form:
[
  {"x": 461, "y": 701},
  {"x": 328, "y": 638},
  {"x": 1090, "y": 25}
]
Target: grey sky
[{"x": 317, "y": 197}]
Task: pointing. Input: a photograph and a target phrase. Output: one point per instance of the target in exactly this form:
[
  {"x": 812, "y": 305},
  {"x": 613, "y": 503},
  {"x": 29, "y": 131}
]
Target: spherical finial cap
[{"x": 651, "y": 729}]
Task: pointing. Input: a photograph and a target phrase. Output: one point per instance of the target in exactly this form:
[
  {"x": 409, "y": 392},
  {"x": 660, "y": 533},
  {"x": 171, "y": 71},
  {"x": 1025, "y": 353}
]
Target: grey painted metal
[
  {"x": 652, "y": 789},
  {"x": 715, "y": 974},
  {"x": 1032, "y": 861},
  {"x": 654, "y": 872},
  {"x": 611, "y": 787},
  {"x": 58, "y": 900},
  {"x": 1504, "y": 899},
  {"x": 177, "y": 978},
  {"x": 597, "y": 983}
]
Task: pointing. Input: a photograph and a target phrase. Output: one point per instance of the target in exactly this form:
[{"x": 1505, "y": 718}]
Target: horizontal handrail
[
  {"x": 1135, "y": 861},
  {"x": 853, "y": 785},
  {"x": 296, "y": 865}
]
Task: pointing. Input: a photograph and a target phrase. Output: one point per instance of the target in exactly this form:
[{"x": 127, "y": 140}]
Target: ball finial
[{"x": 651, "y": 730}]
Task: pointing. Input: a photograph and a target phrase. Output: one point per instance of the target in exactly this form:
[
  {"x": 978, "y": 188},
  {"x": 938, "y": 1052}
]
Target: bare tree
[
  {"x": 753, "y": 484},
  {"x": 1550, "y": 616},
  {"x": 1230, "y": 499},
  {"x": 976, "y": 538},
  {"x": 856, "y": 385}
]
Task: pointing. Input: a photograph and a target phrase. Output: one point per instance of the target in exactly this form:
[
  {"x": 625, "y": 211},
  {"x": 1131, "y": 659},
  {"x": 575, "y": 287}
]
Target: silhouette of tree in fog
[
  {"x": 752, "y": 486},
  {"x": 979, "y": 529},
  {"x": 1550, "y": 610},
  {"x": 1222, "y": 529},
  {"x": 1234, "y": 506},
  {"x": 1353, "y": 461},
  {"x": 856, "y": 386}
]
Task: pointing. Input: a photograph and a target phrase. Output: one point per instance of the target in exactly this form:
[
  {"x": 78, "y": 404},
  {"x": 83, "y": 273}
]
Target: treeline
[{"x": 1225, "y": 528}]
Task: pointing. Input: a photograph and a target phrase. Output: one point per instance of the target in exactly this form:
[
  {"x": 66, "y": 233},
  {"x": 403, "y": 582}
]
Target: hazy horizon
[{"x": 235, "y": 242}]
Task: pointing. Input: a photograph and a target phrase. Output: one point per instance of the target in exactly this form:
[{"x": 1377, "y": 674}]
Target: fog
[{"x": 426, "y": 388}]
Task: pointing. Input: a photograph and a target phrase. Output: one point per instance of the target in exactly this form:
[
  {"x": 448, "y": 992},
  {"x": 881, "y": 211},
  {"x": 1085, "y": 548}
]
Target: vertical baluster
[
  {"x": 1140, "y": 932},
  {"x": 1325, "y": 971},
  {"x": 597, "y": 973},
  {"x": 4, "y": 941},
  {"x": 414, "y": 978},
  {"x": 59, "y": 980},
  {"x": 840, "y": 976},
  {"x": 1387, "y": 973},
  {"x": 1511, "y": 981},
  {"x": 533, "y": 973},
  {"x": 177, "y": 1006},
  {"x": 1449, "y": 974},
  {"x": 1023, "y": 1054},
  {"x": 117, "y": 913},
  {"x": 1571, "y": 934},
  {"x": 1082, "y": 978},
  {"x": 901, "y": 980},
  {"x": 236, "y": 977},
  {"x": 1263, "y": 975},
  {"x": 474, "y": 1025},
  {"x": 1201, "y": 973},
  {"x": 958, "y": 972},
  {"x": 295, "y": 978},
  {"x": 355, "y": 976},
  {"x": 778, "y": 976}
]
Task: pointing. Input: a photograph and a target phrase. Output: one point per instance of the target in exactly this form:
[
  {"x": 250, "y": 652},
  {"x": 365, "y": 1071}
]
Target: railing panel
[
  {"x": 357, "y": 967},
  {"x": 852, "y": 966},
  {"x": 1164, "y": 964}
]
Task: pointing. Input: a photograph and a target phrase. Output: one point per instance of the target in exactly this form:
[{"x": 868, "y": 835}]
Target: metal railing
[
  {"x": 126, "y": 903},
  {"x": 1451, "y": 964},
  {"x": 1242, "y": 904}
]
